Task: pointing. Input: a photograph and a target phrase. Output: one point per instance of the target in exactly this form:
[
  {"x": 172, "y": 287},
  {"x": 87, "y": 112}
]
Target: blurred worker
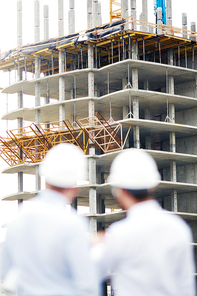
[
  {"x": 149, "y": 253},
  {"x": 47, "y": 246}
]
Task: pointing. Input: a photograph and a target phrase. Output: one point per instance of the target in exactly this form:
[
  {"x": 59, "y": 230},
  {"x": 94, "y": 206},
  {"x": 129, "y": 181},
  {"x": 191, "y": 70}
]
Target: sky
[{"x": 8, "y": 40}]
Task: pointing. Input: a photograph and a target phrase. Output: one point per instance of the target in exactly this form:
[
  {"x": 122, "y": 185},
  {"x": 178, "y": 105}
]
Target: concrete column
[
  {"x": 195, "y": 90},
  {"x": 19, "y": 94},
  {"x": 71, "y": 17},
  {"x": 169, "y": 12},
  {"x": 92, "y": 161},
  {"x": 124, "y": 8},
  {"x": 193, "y": 29},
  {"x": 147, "y": 116},
  {"x": 132, "y": 13},
  {"x": 99, "y": 14},
  {"x": 136, "y": 134},
  {"x": 89, "y": 14},
  {"x": 46, "y": 22},
  {"x": 95, "y": 9},
  {"x": 61, "y": 86},
  {"x": 134, "y": 50},
  {"x": 60, "y": 18},
  {"x": 172, "y": 145},
  {"x": 61, "y": 58},
  {"x": 184, "y": 24},
  {"x": 36, "y": 20},
  {"x": 170, "y": 56},
  {"x": 159, "y": 20},
  {"x": 136, "y": 130},
  {"x": 146, "y": 84},
  {"x": 37, "y": 76},
  {"x": 144, "y": 14},
  {"x": 19, "y": 23}
]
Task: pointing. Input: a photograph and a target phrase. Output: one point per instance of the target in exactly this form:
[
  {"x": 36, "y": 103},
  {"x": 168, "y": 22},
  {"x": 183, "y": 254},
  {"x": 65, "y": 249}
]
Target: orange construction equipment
[
  {"x": 115, "y": 10},
  {"x": 30, "y": 144},
  {"x": 101, "y": 134}
]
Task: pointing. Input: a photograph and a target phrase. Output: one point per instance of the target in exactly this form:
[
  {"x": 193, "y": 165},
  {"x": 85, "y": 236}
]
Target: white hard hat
[
  {"x": 134, "y": 169},
  {"x": 64, "y": 165}
]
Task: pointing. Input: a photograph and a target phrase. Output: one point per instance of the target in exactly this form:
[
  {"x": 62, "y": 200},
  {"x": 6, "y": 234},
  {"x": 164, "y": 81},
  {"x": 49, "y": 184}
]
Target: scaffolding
[
  {"x": 115, "y": 10},
  {"x": 30, "y": 144}
]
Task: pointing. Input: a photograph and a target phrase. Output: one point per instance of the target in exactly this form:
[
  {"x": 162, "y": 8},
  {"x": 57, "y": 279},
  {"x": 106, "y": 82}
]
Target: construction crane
[
  {"x": 157, "y": 4},
  {"x": 115, "y": 10}
]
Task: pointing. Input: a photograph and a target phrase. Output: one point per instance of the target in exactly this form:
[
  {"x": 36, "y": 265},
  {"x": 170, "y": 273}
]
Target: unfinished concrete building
[{"x": 128, "y": 84}]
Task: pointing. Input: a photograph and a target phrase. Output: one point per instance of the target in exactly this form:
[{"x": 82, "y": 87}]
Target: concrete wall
[
  {"x": 187, "y": 173},
  {"x": 187, "y": 202},
  {"x": 185, "y": 89},
  {"x": 188, "y": 116},
  {"x": 187, "y": 145}
]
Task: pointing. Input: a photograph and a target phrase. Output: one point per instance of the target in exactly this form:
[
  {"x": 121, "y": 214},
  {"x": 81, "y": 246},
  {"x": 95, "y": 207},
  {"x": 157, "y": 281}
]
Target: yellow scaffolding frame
[
  {"x": 100, "y": 133},
  {"x": 115, "y": 10},
  {"x": 30, "y": 144}
]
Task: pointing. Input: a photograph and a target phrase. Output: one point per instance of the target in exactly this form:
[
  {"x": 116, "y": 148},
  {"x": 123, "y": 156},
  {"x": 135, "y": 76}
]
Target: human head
[
  {"x": 63, "y": 166},
  {"x": 135, "y": 171}
]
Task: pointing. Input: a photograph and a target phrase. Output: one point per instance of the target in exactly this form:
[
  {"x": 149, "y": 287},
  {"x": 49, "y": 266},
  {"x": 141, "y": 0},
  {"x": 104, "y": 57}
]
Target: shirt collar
[
  {"x": 144, "y": 206},
  {"x": 52, "y": 197}
]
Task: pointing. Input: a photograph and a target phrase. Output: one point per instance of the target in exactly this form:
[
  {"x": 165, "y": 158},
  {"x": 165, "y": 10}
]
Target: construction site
[{"x": 127, "y": 84}]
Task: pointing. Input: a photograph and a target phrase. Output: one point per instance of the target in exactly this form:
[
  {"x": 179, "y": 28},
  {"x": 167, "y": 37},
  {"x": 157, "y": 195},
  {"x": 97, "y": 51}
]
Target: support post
[
  {"x": 92, "y": 160},
  {"x": 60, "y": 18},
  {"x": 19, "y": 94},
  {"x": 159, "y": 21},
  {"x": 184, "y": 24},
  {"x": 136, "y": 130},
  {"x": 172, "y": 139},
  {"x": 89, "y": 14},
  {"x": 124, "y": 8},
  {"x": 193, "y": 29},
  {"x": 46, "y": 22},
  {"x": 144, "y": 14},
  {"x": 95, "y": 8},
  {"x": 169, "y": 12},
  {"x": 71, "y": 17},
  {"x": 37, "y": 76}
]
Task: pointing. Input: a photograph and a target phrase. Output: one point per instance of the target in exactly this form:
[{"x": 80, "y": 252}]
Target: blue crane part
[{"x": 161, "y": 3}]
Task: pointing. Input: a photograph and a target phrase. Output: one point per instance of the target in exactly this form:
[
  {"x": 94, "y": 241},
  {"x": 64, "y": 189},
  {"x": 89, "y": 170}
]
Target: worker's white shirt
[
  {"x": 48, "y": 247},
  {"x": 150, "y": 253}
]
